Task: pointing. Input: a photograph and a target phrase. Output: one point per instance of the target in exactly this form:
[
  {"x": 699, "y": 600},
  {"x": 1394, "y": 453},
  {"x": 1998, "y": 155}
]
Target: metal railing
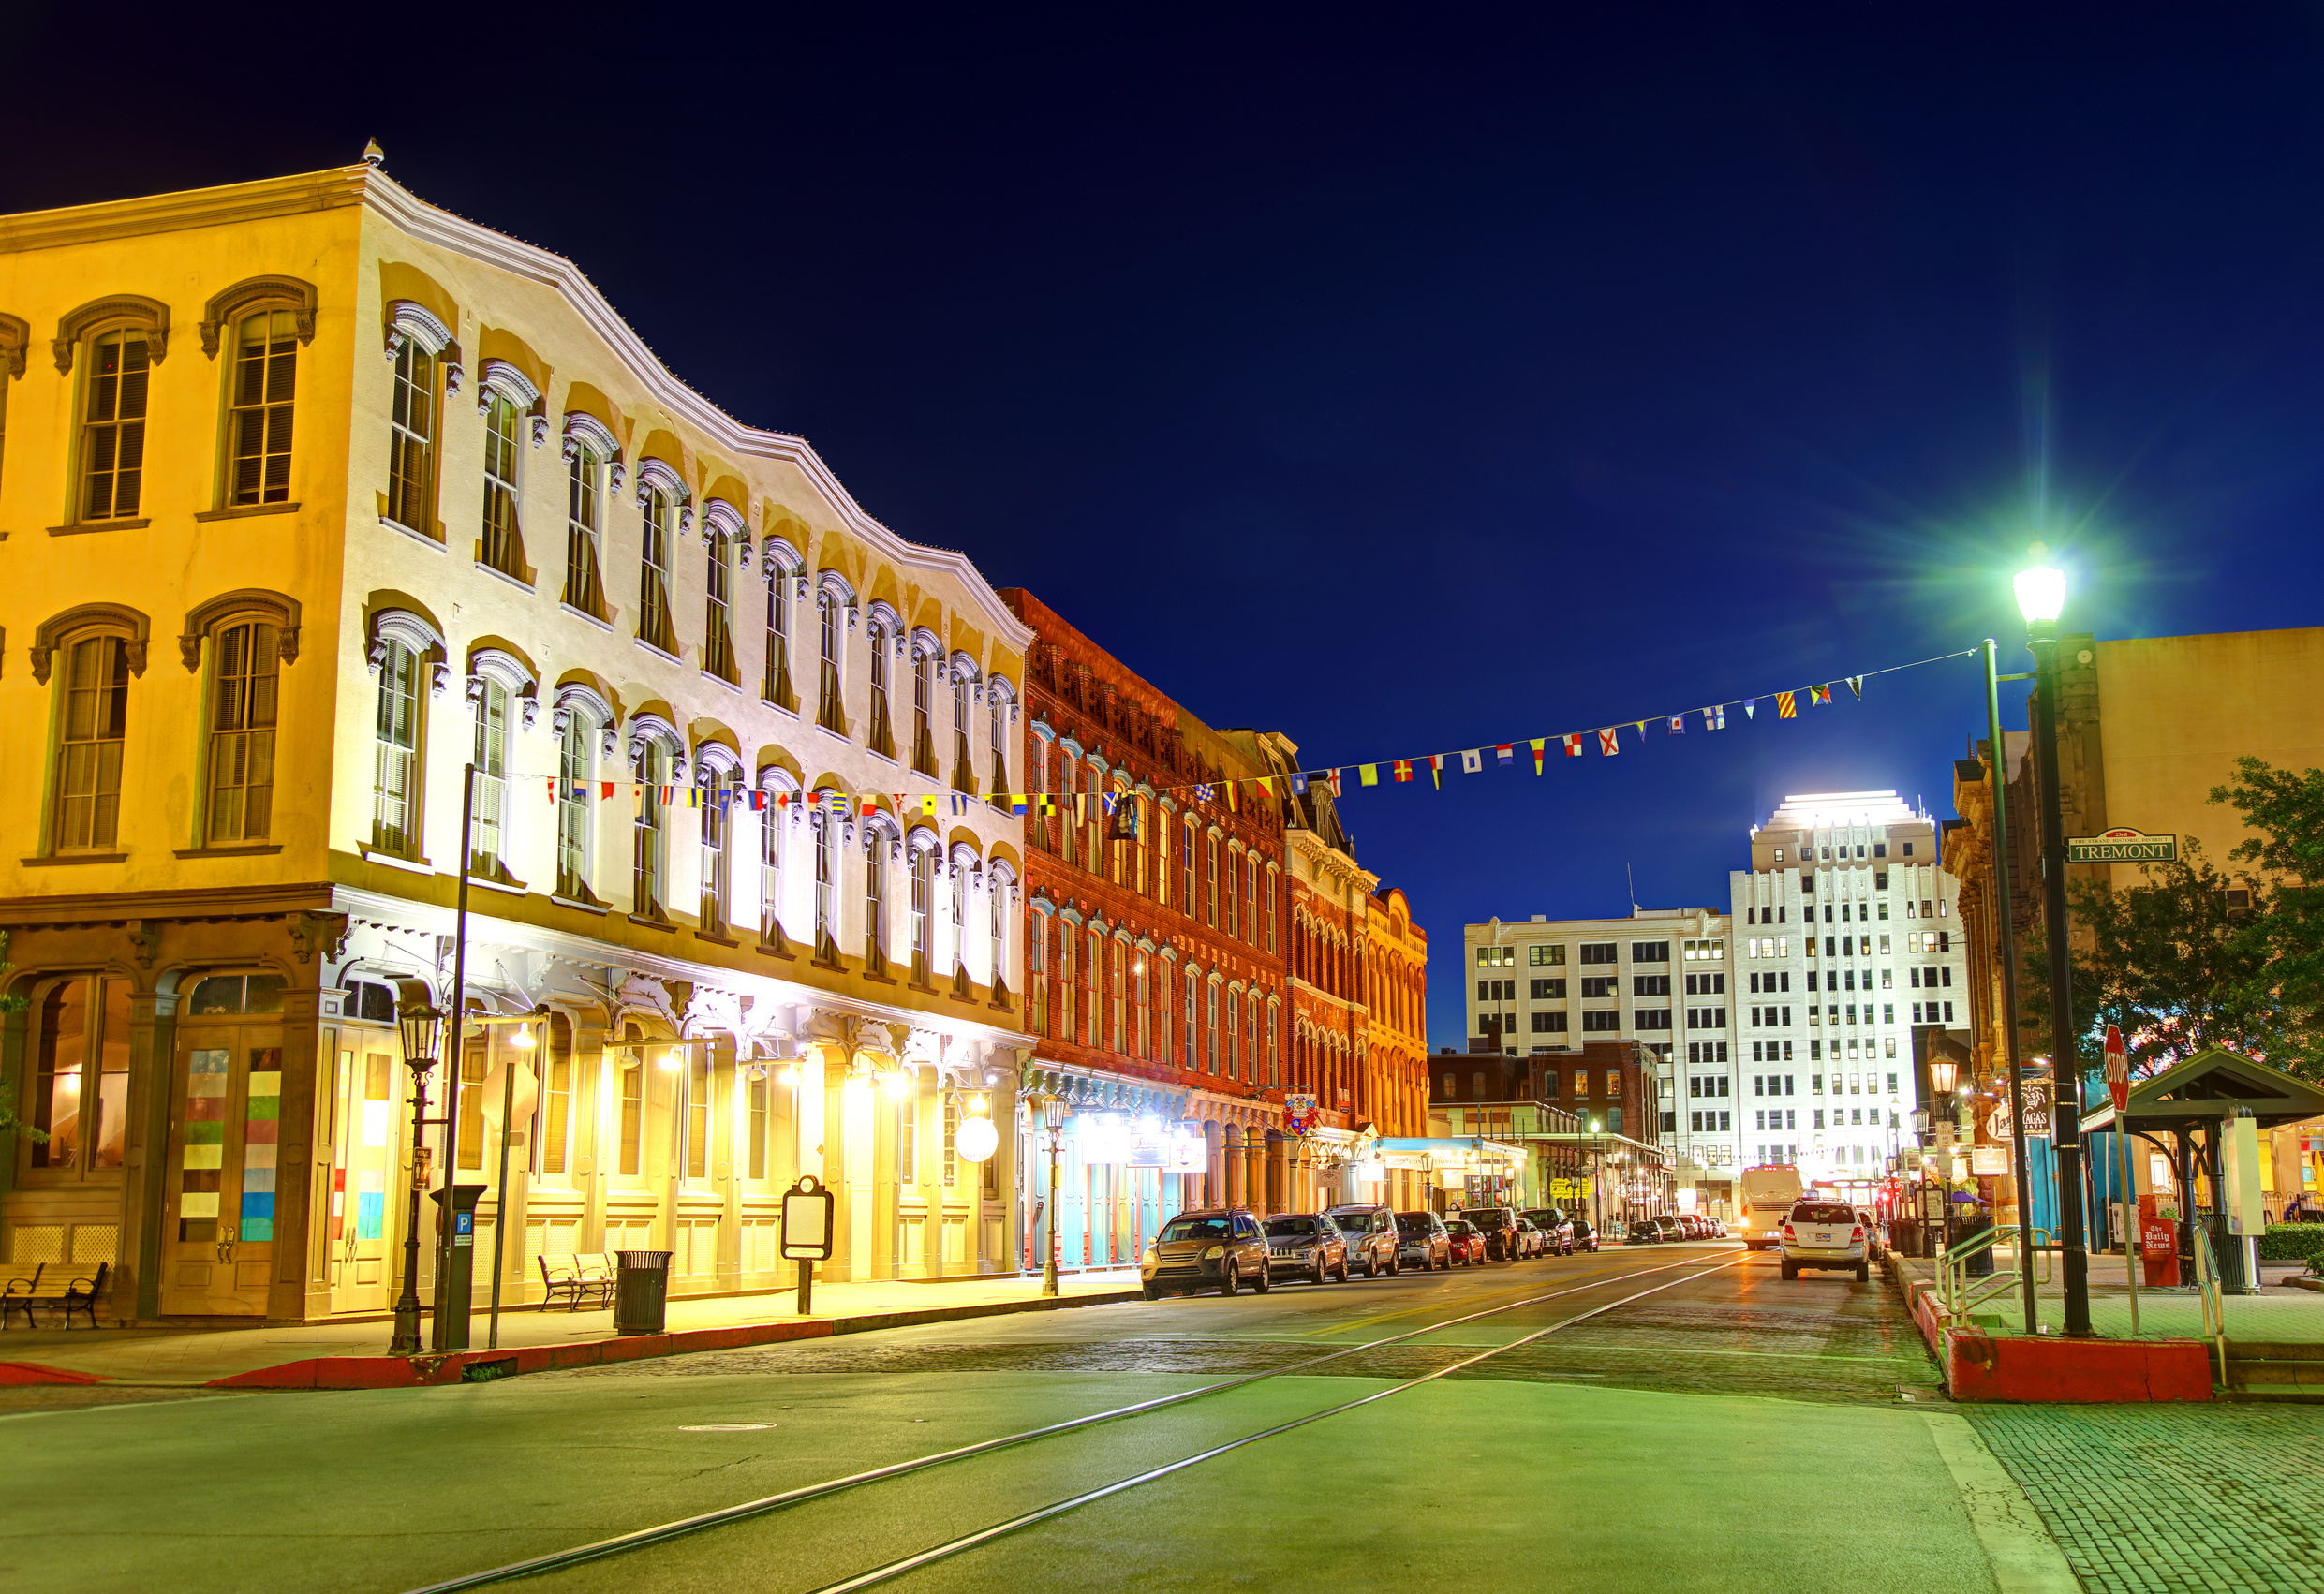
[
  {"x": 1954, "y": 1288},
  {"x": 2213, "y": 1295}
]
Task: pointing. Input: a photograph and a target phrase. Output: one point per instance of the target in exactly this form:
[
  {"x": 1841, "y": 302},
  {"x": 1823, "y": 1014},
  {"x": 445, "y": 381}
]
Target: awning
[
  {"x": 2198, "y": 1092},
  {"x": 1449, "y": 1154}
]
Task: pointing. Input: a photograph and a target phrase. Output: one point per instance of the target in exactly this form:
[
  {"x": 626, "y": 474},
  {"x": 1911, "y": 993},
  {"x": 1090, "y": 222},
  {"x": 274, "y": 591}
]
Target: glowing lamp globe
[
  {"x": 2041, "y": 595},
  {"x": 975, "y": 1139}
]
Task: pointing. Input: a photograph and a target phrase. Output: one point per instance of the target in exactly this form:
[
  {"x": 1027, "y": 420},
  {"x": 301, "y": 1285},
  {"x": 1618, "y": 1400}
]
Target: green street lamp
[
  {"x": 2041, "y": 599},
  {"x": 1052, "y": 1119}
]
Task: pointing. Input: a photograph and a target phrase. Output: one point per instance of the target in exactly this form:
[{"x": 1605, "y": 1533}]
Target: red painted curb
[
  {"x": 33, "y": 1373},
  {"x": 1983, "y": 1366}
]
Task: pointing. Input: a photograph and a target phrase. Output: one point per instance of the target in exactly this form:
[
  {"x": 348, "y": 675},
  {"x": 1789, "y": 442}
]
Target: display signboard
[
  {"x": 2036, "y": 1093},
  {"x": 1985, "y": 1159},
  {"x": 2122, "y": 844},
  {"x": 807, "y": 1221}
]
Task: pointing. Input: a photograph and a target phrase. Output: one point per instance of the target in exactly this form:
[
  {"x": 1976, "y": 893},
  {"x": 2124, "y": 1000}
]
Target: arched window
[
  {"x": 488, "y": 698},
  {"x": 422, "y": 349},
  {"x": 1145, "y": 1003},
  {"x": 1210, "y": 1025},
  {"x": 998, "y": 702},
  {"x": 717, "y": 624},
  {"x": 1119, "y": 950},
  {"x": 1037, "y": 970},
  {"x": 1186, "y": 867},
  {"x": 774, "y": 844},
  {"x": 113, "y": 402},
  {"x": 711, "y": 791},
  {"x": 654, "y": 627},
  {"x": 964, "y": 772},
  {"x": 923, "y": 909},
  {"x": 577, "y": 725},
  {"x": 404, "y": 647},
  {"x": 1069, "y": 822},
  {"x": 265, "y": 381},
  {"x": 998, "y": 883},
  {"x": 827, "y": 841},
  {"x": 1210, "y": 895},
  {"x": 926, "y": 657},
  {"x": 252, "y": 633},
  {"x": 829, "y": 711},
  {"x": 648, "y": 841},
  {"x": 959, "y": 922},
  {"x": 879, "y": 636},
  {"x": 501, "y": 544},
  {"x": 1194, "y": 1028},
  {"x": 1271, "y": 873},
  {"x": 875, "y": 899},
  {"x": 1068, "y": 931},
  {"x": 92, "y": 730},
  {"x": 782, "y": 568},
  {"x": 589, "y": 448}
]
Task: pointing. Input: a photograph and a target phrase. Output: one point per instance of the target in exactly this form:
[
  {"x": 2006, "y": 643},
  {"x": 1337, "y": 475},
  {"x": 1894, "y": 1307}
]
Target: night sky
[{"x": 1407, "y": 381}]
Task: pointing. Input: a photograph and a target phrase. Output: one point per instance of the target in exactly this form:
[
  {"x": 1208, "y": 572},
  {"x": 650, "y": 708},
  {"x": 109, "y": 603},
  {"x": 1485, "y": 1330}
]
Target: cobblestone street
[{"x": 2174, "y": 1498}]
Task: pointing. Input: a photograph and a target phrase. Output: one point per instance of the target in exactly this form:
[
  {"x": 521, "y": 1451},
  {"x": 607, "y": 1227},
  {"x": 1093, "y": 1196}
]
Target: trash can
[
  {"x": 641, "y": 1291},
  {"x": 2228, "y": 1251},
  {"x": 1979, "y": 1262}
]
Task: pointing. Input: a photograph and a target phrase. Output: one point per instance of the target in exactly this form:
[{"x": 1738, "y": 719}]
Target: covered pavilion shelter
[{"x": 2193, "y": 1098}]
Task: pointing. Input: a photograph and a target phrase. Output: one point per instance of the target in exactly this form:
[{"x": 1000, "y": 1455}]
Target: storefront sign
[
  {"x": 2036, "y": 1093},
  {"x": 1985, "y": 1159}
]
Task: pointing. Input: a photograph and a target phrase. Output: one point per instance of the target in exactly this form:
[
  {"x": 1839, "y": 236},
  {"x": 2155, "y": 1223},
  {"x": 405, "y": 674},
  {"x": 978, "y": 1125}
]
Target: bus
[{"x": 1765, "y": 1201}]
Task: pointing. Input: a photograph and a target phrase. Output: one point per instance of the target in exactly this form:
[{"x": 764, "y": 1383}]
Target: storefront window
[{"x": 80, "y": 1081}]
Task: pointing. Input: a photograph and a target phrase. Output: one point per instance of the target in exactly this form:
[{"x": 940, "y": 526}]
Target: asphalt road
[{"x": 1634, "y": 1419}]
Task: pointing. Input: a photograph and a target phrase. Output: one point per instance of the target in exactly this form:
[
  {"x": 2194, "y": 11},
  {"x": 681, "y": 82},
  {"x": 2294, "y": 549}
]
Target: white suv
[{"x": 1826, "y": 1235}]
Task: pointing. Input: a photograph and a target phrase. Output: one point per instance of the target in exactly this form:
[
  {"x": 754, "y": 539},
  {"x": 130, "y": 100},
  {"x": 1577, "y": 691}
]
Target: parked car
[
  {"x": 1370, "y": 1235},
  {"x": 1717, "y": 1226},
  {"x": 1872, "y": 1232},
  {"x": 1557, "y": 1229},
  {"x": 1468, "y": 1241},
  {"x": 1532, "y": 1242},
  {"x": 1826, "y": 1235},
  {"x": 1670, "y": 1228},
  {"x": 1212, "y": 1248},
  {"x": 1421, "y": 1240},
  {"x": 1304, "y": 1242},
  {"x": 1585, "y": 1236},
  {"x": 1644, "y": 1232},
  {"x": 1499, "y": 1226}
]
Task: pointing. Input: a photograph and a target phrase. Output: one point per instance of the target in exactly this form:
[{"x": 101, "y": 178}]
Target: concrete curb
[{"x": 427, "y": 1371}]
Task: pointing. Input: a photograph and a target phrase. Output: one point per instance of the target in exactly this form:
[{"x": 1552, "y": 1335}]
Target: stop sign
[{"x": 2117, "y": 1069}]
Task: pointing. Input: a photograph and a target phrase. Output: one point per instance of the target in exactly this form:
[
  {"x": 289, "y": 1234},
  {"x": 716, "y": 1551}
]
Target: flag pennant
[
  {"x": 606, "y": 791},
  {"x": 1677, "y": 725},
  {"x": 1856, "y": 685},
  {"x": 693, "y": 796},
  {"x": 1331, "y": 778},
  {"x": 782, "y": 802},
  {"x": 961, "y": 804},
  {"x": 553, "y": 788},
  {"x": 1111, "y": 800},
  {"x": 927, "y": 804},
  {"x": 1203, "y": 792},
  {"x": 1018, "y": 805},
  {"x": 668, "y": 796},
  {"x": 1298, "y": 784},
  {"x": 1822, "y": 693},
  {"x": 1573, "y": 745},
  {"x": 1609, "y": 743},
  {"x": 1536, "y": 744},
  {"x": 868, "y": 806},
  {"x": 1266, "y": 784},
  {"x": 1436, "y": 769},
  {"x": 1368, "y": 775},
  {"x": 1751, "y": 708},
  {"x": 1506, "y": 752},
  {"x": 1234, "y": 797},
  {"x": 1715, "y": 718},
  {"x": 1787, "y": 706},
  {"x": 758, "y": 802},
  {"x": 1125, "y": 825},
  {"x": 1641, "y": 725},
  {"x": 1403, "y": 769},
  {"x": 1473, "y": 762}
]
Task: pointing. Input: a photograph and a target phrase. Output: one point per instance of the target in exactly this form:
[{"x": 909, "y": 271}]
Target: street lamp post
[
  {"x": 1053, "y": 1120},
  {"x": 1941, "y": 1080},
  {"x": 2041, "y": 598},
  {"x": 418, "y": 1023},
  {"x": 2005, "y": 937}
]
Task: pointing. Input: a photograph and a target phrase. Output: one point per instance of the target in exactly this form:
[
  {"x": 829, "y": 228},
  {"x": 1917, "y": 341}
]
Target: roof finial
[{"x": 373, "y": 155}]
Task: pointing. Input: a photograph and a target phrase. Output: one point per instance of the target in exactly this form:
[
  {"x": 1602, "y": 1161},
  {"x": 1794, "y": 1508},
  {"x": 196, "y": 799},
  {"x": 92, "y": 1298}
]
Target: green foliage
[
  {"x": 2285, "y": 932},
  {"x": 2164, "y": 962},
  {"x": 2294, "y": 1242}
]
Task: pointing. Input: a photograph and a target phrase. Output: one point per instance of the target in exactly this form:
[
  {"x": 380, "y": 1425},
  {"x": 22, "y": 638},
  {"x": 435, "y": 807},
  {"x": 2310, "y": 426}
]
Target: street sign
[
  {"x": 2117, "y": 1069},
  {"x": 2122, "y": 844},
  {"x": 807, "y": 1221}
]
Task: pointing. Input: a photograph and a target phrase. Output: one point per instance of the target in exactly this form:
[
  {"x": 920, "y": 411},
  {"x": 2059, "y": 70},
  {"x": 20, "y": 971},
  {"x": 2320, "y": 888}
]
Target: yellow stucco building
[{"x": 312, "y": 494}]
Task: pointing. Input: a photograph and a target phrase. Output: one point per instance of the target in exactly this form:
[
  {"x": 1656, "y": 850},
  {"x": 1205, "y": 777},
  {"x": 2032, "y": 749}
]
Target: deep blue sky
[{"x": 1405, "y": 380}]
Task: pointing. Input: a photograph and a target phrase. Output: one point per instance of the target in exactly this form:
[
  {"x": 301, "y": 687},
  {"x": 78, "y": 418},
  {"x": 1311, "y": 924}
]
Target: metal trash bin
[
  {"x": 1979, "y": 1262},
  {"x": 641, "y": 1291},
  {"x": 2228, "y": 1251}
]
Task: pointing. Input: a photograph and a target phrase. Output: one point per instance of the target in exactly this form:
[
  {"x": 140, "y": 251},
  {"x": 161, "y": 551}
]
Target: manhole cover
[{"x": 722, "y": 1427}]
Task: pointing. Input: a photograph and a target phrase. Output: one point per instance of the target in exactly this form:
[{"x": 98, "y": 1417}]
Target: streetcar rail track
[{"x": 646, "y": 1538}]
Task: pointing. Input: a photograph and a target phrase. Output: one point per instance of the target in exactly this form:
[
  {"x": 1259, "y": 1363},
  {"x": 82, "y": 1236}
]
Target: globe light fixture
[{"x": 2041, "y": 591}]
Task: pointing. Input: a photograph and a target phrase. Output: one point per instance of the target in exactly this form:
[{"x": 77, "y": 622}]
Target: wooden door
[
  {"x": 361, "y": 1175},
  {"x": 218, "y": 1201}
]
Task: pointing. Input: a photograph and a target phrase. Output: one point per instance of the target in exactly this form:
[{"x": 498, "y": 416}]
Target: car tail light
[
  {"x": 1788, "y": 1233},
  {"x": 1857, "y": 1233}
]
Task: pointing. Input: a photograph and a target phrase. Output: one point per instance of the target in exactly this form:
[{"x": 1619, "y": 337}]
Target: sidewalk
[
  {"x": 2281, "y": 1313},
  {"x": 352, "y": 1356}
]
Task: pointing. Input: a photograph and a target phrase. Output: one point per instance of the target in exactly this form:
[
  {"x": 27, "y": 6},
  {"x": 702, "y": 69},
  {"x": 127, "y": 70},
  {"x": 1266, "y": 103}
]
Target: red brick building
[{"x": 1154, "y": 965}]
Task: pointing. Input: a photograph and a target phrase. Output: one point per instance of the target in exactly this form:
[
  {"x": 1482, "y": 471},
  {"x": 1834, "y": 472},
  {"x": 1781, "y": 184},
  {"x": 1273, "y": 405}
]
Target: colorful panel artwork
[
  {"x": 201, "y": 1156},
  {"x": 260, "y": 1133},
  {"x": 371, "y": 1205}
]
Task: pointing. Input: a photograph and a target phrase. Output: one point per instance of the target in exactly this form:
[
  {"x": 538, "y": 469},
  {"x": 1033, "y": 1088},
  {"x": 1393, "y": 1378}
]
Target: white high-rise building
[
  {"x": 1785, "y": 1025},
  {"x": 1845, "y": 940}
]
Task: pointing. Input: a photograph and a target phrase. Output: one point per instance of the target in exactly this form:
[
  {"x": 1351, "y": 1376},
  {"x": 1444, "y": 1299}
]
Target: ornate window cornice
[
  {"x": 109, "y": 619},
  {"x": 15, "y": 337},
  {"x": 279, "y": 609},
  {"x": 295, "y": 294},
  {"x": 120, "y": 309},
  {"x": 416, "y": 632},
  {"x": 410, "y": 322}
]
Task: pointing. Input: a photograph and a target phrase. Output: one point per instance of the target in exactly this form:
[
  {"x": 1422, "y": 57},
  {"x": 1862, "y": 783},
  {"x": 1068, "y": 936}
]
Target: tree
[
  {"x": 2286, "y": 931},
  {"x": 2168, "y": 962}
]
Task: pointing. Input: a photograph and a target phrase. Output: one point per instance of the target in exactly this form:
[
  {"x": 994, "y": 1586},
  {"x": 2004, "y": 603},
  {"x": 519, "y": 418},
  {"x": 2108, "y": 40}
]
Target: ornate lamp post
[
  {"x": 419, "y": 1024},
  {"x": 1052, "y": 1119},
  {"x": 2041, "y": 599}
]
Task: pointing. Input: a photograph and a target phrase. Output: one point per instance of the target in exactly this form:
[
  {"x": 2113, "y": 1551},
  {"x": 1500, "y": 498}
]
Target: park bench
[
  {"x": 574, "y": 1280},
  {"x": 62, "y": 1295}
]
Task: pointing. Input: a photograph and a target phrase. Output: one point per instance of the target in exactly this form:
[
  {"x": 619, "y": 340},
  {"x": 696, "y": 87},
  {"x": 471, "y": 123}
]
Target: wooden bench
[
  {"x": 62, "y": 1295},
  {"x": 574, "y": 1280}
]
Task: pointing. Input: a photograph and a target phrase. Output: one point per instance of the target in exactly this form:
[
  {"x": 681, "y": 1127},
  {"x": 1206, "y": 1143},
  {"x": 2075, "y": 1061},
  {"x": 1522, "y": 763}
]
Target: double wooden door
[
  {"x": 363, "y": 1149},
  {"x": 219, "y": 1197}
]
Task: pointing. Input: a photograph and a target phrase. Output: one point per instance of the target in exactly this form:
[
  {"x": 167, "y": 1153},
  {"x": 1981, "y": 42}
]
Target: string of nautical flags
[{"x": 1606, "y": 742}]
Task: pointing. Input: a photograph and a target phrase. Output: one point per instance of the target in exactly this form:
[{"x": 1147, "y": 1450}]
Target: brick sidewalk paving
[{"x": 2172, "y": 1498}]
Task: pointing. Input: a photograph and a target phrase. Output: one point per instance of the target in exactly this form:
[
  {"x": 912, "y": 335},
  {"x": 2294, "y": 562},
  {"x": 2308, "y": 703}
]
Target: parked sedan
[
  {"x": 1557, "y": 1229},
  {"x": 1585, "y": 1236},
  {"x": 1468, "y": 1241},
  {"x": 1532, "y": 1242},
  {"x": 1216, "y": 1248},
  {"x": 1421, "y": 1240},
  {"x": 1304, "y": 1243},
  {"x": 1645, "y": 1232},
  {"x": 1670, "y": 1228}
]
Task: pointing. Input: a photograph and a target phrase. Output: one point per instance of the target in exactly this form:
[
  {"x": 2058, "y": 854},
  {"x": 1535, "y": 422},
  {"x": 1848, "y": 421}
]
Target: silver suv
[
  {"x": 1370, "y": 1233},
  {"x": 1826, "y": 1235}
]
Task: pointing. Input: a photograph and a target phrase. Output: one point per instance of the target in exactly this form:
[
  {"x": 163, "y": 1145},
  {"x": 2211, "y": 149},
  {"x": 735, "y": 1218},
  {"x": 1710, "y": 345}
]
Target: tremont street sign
[{"x": 2122, "y": 844}]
